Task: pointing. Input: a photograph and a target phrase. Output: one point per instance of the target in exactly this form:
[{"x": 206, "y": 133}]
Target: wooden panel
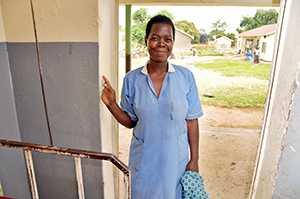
[{"x": 268, "y": 3}]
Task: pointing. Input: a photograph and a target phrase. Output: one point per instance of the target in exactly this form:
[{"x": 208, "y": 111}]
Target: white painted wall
[
  {"x": 287, "y": 180},
  {"x": 277, "y": 168},
  {"x": 223, "y": 44},
  {"x": 270, "y": 41},
  {"x": 108, "y": 65}
]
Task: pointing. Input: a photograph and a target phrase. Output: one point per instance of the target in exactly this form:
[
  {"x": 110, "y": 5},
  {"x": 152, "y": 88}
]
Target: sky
[{"x": 202, "y": 16}]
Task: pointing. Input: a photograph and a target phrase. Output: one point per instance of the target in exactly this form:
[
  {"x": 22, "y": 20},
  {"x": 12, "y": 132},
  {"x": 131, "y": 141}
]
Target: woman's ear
[{"x": 146, "y": 39}]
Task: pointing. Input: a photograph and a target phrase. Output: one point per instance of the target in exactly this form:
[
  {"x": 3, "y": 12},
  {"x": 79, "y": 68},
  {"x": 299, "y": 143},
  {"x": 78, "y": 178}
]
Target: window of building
[{"x": 264, "y": 47}]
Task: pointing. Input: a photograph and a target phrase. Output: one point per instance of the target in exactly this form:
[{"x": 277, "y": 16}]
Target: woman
[
  {"x": 249, "y": 56},
  {"x": 160, "y": 102}
]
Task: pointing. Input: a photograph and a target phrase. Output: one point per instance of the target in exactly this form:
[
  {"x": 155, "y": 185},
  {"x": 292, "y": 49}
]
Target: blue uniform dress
[{"x": 159, "y": 150}]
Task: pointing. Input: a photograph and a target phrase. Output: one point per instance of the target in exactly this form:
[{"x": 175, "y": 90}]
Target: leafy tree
[
  {"x": 190, "y": 28},
  {"x": 166, "y": 13},
  {"x": 218, "y": 29},
  {"x": 140, "y": 18},
  {"x": 202, "y": 31},
  {"x": 261, "y": 18},
  {"x": 231, "y": 36}
]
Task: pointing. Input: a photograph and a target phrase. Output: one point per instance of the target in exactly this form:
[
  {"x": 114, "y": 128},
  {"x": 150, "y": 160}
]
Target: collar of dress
[{"x": 170, "y": 68}]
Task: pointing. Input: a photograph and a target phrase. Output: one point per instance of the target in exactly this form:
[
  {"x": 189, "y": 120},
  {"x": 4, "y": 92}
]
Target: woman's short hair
[{"x": 159, "y": 19}]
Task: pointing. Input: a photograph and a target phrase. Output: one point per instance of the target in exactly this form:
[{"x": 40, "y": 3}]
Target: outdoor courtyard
[{"x": 228, "y": 139}]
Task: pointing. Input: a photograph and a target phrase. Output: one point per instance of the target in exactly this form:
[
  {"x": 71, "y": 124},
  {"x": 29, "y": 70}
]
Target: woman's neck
[{"x": 157, "y": 67}]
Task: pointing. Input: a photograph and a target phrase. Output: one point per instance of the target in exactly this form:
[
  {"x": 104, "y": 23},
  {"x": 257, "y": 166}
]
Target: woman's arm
[
  {"x": 193, "y": 137},
  {"x": 109, "y": 99}
]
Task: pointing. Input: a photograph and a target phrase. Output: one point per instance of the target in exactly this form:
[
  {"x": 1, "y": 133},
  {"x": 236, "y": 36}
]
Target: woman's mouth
[{"x": 160, "y": 52}]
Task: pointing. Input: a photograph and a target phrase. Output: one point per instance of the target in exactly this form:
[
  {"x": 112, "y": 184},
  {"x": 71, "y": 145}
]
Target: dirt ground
[
  {"x": 247, "y": 118},
  {"x": 228, "y": 146}
]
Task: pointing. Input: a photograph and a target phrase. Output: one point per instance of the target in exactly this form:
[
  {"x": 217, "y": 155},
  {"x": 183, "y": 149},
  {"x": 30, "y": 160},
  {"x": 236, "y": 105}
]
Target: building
[
  {"x": 223, "y": 44},
  {"x": 79, "y": 43},
  {"x": 182, "y": 41},
  {"x": 262, "y": 37}
]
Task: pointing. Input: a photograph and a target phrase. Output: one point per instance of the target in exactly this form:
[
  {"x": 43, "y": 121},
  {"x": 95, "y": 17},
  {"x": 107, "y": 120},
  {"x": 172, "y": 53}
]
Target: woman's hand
[
  {"x": 193, "y": 137},
  {"x": 109, "y": 99},
  {"x": 108, "y": 94},
  {"x": 192, "y": 166}
]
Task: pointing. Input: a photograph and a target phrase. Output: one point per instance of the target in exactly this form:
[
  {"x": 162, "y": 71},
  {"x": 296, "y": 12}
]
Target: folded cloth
[{"x": 193, "y": 186}]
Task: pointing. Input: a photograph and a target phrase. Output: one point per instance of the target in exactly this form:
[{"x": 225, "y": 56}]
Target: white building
[
  {"x": 262, "y": 37},
  {"x": 223, "y": 44}
]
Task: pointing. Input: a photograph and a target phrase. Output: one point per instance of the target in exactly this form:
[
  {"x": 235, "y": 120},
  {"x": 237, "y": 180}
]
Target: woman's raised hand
[
  {"x": 108, "y": 94},
  {"x": 109, "y": 99}
]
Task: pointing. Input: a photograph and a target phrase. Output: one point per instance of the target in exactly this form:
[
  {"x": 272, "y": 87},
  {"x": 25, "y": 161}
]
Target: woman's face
[{"x": 160, "y": 42}]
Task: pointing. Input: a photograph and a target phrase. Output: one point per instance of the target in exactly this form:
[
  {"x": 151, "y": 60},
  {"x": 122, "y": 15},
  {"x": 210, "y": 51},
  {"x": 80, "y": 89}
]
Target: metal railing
[{"x": 77, "y": 154}]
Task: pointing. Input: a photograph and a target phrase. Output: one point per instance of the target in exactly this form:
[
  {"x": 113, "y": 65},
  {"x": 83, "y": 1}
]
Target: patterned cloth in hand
[{"x": 193, "y": 187}]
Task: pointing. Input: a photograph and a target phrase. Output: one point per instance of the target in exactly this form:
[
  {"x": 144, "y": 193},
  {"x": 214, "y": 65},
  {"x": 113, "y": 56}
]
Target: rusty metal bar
[
  {"x": 75, "y": 153},
  {"x": 68, "y": 152},
  {"x": 79, "y": 177},
  {"x": 31, "y": 174},
  {"x": 127, "y": 189}
]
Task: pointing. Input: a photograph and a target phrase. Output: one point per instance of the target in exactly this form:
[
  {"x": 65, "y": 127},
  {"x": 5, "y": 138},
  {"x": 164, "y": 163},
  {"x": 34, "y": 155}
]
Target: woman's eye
[{"x": 154, "y": 38}]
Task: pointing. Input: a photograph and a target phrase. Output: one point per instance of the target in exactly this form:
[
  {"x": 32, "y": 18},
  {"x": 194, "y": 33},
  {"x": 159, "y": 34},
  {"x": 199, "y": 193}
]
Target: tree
[
  {"x": 261, "y": 18},
  {"x": 166, "y": 13},
  {"x": 190, "y": 28},
  {"x": 218, "y": 29},
  {"x": 202, "y": 31},
  {"x": 231, "y": 36},
  {"x": 140, "y": 18}
]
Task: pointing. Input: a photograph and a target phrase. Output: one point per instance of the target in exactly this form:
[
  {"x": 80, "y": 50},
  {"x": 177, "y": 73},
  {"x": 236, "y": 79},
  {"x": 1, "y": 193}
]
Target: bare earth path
[{"x": 228, "y": 144}]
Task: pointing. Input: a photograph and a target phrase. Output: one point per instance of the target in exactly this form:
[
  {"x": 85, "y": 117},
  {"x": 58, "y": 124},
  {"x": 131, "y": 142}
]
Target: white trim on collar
[{"x": 170, "y": 68}]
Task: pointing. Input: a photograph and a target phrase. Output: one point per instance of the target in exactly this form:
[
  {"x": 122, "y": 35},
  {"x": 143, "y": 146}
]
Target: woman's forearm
[
  {"x": 193, "y": 137},
  {"x": 121, "y": 116}
]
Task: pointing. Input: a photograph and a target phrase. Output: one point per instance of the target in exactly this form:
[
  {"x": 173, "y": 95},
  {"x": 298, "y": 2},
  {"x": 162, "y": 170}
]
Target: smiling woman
[
  {"x": 160, "y": 102},
  {"x": 159, "y": 42}
]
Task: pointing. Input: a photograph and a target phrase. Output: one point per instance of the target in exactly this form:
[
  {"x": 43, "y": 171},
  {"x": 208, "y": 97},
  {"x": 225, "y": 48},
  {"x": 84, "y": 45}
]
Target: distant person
[
  {"x": 249, "y": 55},
  {"x": 172, "y": 56},
  {"x": 247, "y": 48},
  {"x": 256, "y": 54},
  {"x": 239, "y": 52},
  {"x": 194, "y": 51}
]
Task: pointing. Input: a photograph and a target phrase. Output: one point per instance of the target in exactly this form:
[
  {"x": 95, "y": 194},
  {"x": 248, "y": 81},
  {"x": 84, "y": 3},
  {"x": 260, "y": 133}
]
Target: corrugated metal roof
[{"x": 263, "y": 30}]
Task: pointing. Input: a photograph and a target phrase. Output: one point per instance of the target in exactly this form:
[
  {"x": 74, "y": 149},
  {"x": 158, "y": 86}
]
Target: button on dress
[{"x": 159, "y": 150}]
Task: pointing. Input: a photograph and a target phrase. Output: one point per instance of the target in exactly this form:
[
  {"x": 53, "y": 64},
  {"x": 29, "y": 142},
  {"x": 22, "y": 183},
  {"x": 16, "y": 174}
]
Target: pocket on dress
[
  {"x": 136, "y": 152},
  {"x": 183, "y": 147}
]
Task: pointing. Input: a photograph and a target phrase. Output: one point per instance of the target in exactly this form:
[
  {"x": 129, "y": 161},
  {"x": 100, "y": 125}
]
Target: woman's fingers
[
  {"x": 108, "y": 93},
  {"x": 106, "y": 82}
]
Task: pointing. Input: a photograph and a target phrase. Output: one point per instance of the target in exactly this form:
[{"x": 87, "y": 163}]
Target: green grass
[
  {"x": 234, "y": 83},
  {"x": 210, "y": 51},
  {"x": 235, "y": 96},
  {"x": 237, "y": 84},
  {"x": 233, "y": 68}
]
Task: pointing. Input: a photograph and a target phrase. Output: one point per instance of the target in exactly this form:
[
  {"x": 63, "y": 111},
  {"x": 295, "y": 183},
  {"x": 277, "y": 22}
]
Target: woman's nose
[{"x": 161, "y": 42}]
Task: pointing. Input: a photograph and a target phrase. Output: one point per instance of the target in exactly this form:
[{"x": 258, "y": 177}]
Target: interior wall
[
  {"x": 9, "y": 158},
  {"x": 67, "y": 32}
]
